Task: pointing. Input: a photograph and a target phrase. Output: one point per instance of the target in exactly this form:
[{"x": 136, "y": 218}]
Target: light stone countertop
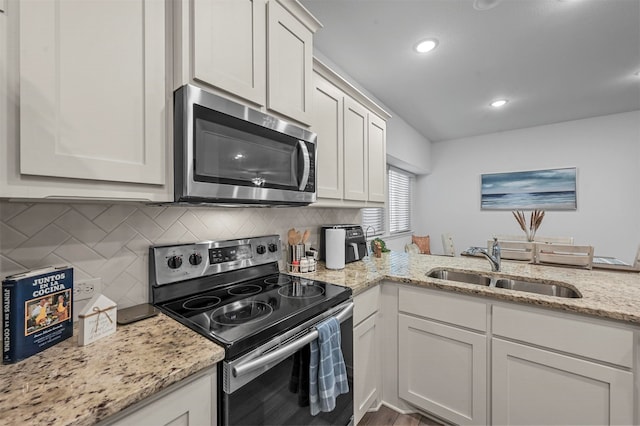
[
  {"x": 605, "y": 294},
  {"x": 71, "y": 385}
]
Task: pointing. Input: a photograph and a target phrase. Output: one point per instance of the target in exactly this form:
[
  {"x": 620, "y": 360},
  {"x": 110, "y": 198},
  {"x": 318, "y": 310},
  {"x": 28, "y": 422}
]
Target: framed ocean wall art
[{"x": 550, "y": 189}]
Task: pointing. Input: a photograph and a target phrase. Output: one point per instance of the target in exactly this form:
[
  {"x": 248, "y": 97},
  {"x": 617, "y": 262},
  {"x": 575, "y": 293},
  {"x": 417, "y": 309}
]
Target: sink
[
  {"x": 462, "y": 277},
  {"x": 538, "y": 288},
  {"x": 556, "y": 289}
]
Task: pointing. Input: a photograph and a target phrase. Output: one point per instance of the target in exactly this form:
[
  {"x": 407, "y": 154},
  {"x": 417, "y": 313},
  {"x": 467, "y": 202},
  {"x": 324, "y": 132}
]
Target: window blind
[
  {"x": 374, "y": 218},
  {"x": 399, "y": 200}
]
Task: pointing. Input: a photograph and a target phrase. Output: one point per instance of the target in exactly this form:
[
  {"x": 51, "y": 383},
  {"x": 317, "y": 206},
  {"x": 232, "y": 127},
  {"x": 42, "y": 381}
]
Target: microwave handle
[{"x": 307, "y": 165}]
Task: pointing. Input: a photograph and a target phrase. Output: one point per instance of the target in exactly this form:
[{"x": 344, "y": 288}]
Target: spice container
[
  {"x": 304, "y": 265},
  {"x": 295, "y": 266},
  {"x": 312, "y": 264}
]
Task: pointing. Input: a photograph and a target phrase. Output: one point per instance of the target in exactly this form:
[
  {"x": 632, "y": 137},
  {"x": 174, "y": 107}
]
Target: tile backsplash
[{"x": 111, "y": 241}]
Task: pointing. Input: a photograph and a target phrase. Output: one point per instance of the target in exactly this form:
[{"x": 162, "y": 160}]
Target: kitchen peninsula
[{"x": 73, "y": 385}]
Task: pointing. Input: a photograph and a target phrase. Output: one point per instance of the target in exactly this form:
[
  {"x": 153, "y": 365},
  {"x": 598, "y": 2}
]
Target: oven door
[{"x": 265, "y": 386}]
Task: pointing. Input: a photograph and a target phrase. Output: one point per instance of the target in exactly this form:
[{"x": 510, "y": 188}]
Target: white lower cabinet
[
  {"x": 459, "y": 355},
  {"x": 366, "y": 353},
  {"x": 442, "y": 367},
  {"x": 188, "y": 403},
  {"x": 536, "y": 386},
  {"x": 442, "y": 370}
]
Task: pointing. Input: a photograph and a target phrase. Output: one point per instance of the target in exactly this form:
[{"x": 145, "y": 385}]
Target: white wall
[{"x": 605, "y": 150}]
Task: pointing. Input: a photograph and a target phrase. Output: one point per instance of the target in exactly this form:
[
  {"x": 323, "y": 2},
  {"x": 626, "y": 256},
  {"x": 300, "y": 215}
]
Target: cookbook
[{"x": 36, "y": 311}]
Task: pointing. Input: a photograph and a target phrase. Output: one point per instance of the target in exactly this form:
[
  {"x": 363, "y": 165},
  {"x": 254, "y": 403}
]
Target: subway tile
[
  {"x": 36, "y": 217},
  {"x": 115, "y": 240},
  {"x": 169, "y": 216},
  {"x": 81, "y": 256},
  {"x": 9, "y": 210},
  {"x": 114, "y": 216},
  {"x": 80, "y": 227},
  {"x": 145, "y": 225},
  {"x": 10, "y": 238},
  {"x": 39, "y": 245},
  {"x": 91, "y": 211},
  {"x": 116, "y": 265}
]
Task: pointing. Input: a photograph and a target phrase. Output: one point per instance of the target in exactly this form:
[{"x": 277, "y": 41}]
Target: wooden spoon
[
  {"x": 305, "y": 236},
  {"x": 291, "y": 236}
]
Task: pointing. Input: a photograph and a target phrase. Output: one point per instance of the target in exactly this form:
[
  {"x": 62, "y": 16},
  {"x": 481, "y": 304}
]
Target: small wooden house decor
[{"x": 97, "y": 320}]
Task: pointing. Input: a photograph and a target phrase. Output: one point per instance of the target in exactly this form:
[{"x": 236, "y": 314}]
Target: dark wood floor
[{"x": 385, "y": 416}]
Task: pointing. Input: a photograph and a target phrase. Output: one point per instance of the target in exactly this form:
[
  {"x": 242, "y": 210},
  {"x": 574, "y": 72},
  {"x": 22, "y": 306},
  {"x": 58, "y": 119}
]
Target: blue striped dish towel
[{"x": 327, "y": 371}]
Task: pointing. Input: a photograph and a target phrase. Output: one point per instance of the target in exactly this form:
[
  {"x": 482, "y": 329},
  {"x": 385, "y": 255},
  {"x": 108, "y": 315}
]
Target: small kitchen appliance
[
  {"x": 227, "y": 153},
  {"x": 355, "y": 244},
  {"x": 232, "y": 293}
]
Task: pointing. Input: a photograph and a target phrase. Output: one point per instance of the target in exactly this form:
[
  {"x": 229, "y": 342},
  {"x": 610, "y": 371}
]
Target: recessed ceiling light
[
  {"x": 426, "y": 45},
  {"x": 499, "y": 103},
  {"x": 485, "y": 4}
]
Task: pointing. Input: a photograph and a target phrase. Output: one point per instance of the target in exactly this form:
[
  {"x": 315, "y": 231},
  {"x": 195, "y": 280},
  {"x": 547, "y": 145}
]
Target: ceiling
[{"x": 555, "y": 60}]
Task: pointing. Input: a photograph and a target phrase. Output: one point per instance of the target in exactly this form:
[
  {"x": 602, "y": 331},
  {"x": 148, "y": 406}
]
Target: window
[
  {"x": 373, "y": 221},
  {"x": 399, "y": 206},
  {"x": 399, "y": 200}
]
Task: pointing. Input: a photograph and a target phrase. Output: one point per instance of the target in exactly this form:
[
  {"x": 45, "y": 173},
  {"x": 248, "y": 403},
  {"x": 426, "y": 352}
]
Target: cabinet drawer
[
  {"x": 366, "y": 304},
  {"x": 585, "y": 337},
  {"x": 451, "y": 309}
]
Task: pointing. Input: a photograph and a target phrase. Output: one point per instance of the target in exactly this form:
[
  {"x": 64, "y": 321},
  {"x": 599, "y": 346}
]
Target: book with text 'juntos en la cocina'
[{"x": 36, "y": 311}]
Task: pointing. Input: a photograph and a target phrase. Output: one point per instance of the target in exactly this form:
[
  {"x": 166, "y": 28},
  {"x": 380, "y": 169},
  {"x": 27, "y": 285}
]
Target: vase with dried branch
[{"x": 534, "y": 222}]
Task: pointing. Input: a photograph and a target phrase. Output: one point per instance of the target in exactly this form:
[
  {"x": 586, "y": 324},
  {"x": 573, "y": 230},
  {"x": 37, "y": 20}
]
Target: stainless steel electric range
[{"x": 232, "y": 293}]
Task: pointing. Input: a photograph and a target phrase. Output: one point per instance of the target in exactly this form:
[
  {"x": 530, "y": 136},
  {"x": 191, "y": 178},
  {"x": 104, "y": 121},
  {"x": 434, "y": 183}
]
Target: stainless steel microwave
[{"x": 227, "y": 153}]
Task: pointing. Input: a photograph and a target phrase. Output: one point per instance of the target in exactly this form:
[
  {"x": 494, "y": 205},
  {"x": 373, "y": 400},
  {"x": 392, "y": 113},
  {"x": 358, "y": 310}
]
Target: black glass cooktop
[{"x": 248, "y": 313}]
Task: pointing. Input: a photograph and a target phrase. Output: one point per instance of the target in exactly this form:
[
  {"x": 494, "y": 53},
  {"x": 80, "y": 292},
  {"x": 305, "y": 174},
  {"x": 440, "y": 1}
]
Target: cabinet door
[
  {"x": 534, "y": 386},
  {"x": 92, "y": 90},
  {"x": 229, "y": 46},
  {"x": 190, "y": 405},
  {"x": 377, "y": 131},
  {"x": 366, "y": 374},
  {"x": 355, "y": 151},
  {"x": 4, "y": 93},
  {"x": 443, "y": 370},
  {"x": 327, "y": 123},
  {"x": 289, "y": 64}
]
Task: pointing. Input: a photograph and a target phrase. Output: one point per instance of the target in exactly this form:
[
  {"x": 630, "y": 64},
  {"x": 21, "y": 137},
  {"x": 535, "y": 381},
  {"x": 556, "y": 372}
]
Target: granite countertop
[
  {"x": 71, "y": 385},
  {"x": 605, "y": 294}
]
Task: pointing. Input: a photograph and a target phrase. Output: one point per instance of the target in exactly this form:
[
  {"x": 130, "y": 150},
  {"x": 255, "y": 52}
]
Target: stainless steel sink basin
[
  {"x": 516, "y": 284},
  {"x": 538, "y": 288},
  {"x": 461, "y": 277}
]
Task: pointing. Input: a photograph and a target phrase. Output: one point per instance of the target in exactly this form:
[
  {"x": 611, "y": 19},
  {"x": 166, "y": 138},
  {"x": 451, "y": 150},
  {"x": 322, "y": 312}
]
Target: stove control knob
[
  {"x": 273, "y": 247},
  {"x": 174, "y": 262},
  {"x": 195, "y": 259},
  {"x": 261, "y": 249}
]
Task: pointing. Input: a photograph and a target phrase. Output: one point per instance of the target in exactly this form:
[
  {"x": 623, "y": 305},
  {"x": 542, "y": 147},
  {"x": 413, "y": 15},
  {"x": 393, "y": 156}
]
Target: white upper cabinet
[
  {"x": 355, "y": 151},
  {"x": 289, "y": 64},
  {"x": 327, "y": 123},
  {"x": 229, "y": 46},
  {"x": 351, "y": 143},
  {"x": 92, "y": 90},
  {"x": 377, "y": 159},
  {"x": 258, "y": 52}
]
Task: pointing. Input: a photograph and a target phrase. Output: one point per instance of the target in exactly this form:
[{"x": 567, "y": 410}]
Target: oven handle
[
  {"x": 287, "y": 349},
  {"x": 307, "y": 165}
]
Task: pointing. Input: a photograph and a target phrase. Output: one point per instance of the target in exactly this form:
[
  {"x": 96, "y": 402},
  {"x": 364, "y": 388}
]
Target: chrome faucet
[{"x": 493, "y": 257}]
